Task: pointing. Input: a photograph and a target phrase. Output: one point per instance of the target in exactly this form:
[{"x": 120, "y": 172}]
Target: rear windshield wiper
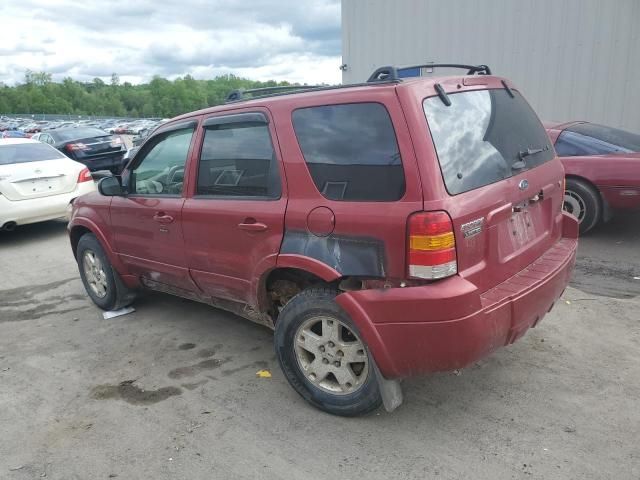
[{"x": 519, "y": 165}]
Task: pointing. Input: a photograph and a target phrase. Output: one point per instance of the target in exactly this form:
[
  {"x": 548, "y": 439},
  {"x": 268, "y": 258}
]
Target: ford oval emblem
[{"x": 523, "y": 185}]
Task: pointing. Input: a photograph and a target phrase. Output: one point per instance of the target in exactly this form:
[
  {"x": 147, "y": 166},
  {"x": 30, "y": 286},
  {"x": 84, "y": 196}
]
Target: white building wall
[{"x": 572, "y": 59}]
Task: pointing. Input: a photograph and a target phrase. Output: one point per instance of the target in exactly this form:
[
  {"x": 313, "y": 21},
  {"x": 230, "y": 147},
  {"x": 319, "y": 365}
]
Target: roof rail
[
  {"x": 241, "y": 94},
  {"x": 390, "y": 72}
]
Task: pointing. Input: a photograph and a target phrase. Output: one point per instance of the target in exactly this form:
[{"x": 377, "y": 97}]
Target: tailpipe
[{"x": 9, "y": 226}]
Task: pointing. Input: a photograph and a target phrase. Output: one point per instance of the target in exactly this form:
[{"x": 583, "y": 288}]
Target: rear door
[
  {"x": 233, "y": 220},
  {"x": 147, "y": 222},
  {"x": 493, "y": 169},
  {"x": 352, "y": 179}
]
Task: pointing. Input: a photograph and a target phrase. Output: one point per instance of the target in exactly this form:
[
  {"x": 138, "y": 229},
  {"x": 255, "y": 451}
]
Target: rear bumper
[
  {"x": 449, "y": 325},
  {"x": 41, "y": 209}
]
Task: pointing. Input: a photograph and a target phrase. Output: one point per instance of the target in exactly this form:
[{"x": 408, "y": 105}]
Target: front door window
[{"x": 161, "y": 171}]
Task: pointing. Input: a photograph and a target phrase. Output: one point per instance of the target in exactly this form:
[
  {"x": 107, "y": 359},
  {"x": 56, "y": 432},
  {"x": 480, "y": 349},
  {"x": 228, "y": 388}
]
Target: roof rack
[
  {"x": 389, "y": 72},
  {"x": 241, "y": 95}
]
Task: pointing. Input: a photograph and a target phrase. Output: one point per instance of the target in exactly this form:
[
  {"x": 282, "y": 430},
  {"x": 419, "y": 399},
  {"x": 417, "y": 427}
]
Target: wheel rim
[
  {"x": 574, "y": 204},
  {"x": 94, "y": 273},
  {"x": 331, "y": 355}
]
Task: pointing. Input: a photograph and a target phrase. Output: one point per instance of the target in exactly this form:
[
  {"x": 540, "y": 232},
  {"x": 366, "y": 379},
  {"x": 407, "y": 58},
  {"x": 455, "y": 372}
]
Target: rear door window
[
  {"x": 485, "y": 136},
  {"x": 351, "y": 151},
  {"x": 238, "y": 160}
]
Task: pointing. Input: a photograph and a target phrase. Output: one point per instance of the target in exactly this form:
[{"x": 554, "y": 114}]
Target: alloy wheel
[
  {"x": 331, "y": 355},
  {"x": 94, "y": 273},
  {"x": 574, "y": 204}
]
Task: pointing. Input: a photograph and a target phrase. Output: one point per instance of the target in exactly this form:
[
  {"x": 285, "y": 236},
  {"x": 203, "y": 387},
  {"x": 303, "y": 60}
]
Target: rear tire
[
  {"x": 583, "y": 202},
  {"x": 323, "y": 357},
  {"x": 101, "y": 281}
]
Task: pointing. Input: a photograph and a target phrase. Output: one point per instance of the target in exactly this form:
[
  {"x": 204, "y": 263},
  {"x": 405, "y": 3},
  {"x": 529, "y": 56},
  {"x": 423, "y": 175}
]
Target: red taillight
[
  {"x": 432, "y": 246},
  {"x": 85, "y": 176},
  {"x": 72, "y": 147}
]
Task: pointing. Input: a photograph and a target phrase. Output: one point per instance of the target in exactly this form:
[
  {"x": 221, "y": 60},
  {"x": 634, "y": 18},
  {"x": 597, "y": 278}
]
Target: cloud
[{"x": 261, "y": 39}]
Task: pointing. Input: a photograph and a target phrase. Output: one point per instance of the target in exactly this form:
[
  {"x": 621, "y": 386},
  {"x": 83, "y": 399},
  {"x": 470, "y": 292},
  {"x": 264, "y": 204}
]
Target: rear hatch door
[{"x": 502, "y": 178}]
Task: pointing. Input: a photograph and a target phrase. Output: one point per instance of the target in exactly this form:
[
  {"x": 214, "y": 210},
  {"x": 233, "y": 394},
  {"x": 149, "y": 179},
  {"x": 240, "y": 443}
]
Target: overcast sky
[{"x": 295, "y": 40}]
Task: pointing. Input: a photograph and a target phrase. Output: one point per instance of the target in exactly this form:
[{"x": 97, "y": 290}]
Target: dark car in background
[
  {"x": 95, "y": 148},
  {"x": 602, "y": 168}
]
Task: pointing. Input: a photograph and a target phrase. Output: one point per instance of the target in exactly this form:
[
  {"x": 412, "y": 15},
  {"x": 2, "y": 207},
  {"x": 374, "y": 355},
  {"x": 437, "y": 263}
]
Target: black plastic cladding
[{"x": 349, "y": 256}]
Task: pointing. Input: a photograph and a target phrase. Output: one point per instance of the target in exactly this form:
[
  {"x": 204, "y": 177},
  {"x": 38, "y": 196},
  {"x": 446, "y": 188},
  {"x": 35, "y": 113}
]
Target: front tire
[
  {"x": 323, "y": 356},
  {"x": 100, "y": 280},
  {"x": 583, "y": 202}
]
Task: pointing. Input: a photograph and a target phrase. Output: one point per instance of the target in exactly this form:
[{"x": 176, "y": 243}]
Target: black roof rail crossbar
[
  {"x": 384, "y": 74},
  {"x": 301, "y": 89},
  {"x": 240, "y": 94},
  {"x": 391, "y": 73}
]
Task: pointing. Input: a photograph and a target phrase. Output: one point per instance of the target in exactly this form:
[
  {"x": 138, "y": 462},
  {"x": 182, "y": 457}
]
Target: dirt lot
[{"x": 170, "y": 391}]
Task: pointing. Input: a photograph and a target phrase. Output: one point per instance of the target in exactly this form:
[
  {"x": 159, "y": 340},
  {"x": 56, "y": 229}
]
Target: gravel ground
[{"x": 170, "y": 391}]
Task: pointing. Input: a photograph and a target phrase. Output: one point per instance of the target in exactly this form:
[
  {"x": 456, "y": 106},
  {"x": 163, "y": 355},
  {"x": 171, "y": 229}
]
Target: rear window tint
[
  {"x": 481, "y": 136},
  {"x": 592, "y": 139},
  {"x": 77, "y": 134},
  {"x": 27, "y": 152},
  {"x": 351, "y": 151}
]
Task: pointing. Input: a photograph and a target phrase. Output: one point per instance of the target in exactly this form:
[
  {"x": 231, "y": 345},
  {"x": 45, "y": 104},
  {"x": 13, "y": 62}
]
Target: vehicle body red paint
[{"x": 515, "y": 248}]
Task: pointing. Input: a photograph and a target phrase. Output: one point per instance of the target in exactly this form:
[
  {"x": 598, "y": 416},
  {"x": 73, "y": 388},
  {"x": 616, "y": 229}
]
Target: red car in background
[{"x": 602, "y": 168}]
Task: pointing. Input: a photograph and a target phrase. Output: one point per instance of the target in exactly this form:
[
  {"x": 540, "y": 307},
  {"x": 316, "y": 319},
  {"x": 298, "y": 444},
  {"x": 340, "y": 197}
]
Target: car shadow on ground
[
  {"x": 35, "y": 232},
  {"x": 608, "y": 262}
]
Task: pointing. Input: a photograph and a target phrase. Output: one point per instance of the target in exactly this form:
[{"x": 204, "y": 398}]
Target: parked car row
[{"x": 29, "y": 126}]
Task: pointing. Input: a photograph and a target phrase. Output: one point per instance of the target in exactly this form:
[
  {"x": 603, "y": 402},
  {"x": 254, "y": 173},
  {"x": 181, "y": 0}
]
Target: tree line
[{"x": 158, "y": 98}]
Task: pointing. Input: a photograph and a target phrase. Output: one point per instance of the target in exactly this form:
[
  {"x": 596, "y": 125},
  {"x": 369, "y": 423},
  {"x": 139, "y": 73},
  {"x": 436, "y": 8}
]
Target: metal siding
[{"x": 573, "y": 59}]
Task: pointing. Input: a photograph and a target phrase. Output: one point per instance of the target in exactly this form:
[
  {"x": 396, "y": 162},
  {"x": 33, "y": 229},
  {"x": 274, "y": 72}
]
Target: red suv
[{"x": 386, "y": 229}]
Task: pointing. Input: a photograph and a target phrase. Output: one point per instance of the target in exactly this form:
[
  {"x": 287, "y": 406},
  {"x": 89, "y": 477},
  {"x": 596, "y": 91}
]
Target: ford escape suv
[{"x": 386, "y": 229}]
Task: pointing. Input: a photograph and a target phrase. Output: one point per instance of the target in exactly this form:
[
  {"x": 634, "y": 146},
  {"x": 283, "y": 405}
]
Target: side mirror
[{"x": 110, "y": 187}]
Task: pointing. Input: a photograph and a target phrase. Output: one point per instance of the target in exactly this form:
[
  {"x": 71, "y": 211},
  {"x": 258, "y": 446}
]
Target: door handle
[
  {"x": 162, "y": 217},
  {"x": 252, "y": 226}
]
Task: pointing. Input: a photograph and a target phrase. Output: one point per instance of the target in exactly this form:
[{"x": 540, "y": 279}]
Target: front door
[
  {"x": 147, "y": 222},
  {"x": 233, "y": 222}
]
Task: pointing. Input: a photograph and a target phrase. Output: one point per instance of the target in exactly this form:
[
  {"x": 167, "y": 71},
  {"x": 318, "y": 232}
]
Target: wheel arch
[
  {"x": 277, "y": 285},
  {"x": 606, "y": 210},
  {"x": 83, "y": 226}
]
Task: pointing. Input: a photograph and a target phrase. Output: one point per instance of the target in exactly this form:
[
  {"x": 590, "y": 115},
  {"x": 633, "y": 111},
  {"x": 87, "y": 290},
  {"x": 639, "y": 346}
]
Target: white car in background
[{"x": 37, "y": 182}]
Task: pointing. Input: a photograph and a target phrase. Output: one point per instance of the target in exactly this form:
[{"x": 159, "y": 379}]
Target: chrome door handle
[
  {"x": 253, "y": 227},
  {"x": 162, "y": 217}
]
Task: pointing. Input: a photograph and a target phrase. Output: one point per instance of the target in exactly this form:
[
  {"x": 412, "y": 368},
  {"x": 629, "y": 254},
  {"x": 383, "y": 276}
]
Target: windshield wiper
[
  {"x": 532, "y": 151},
  {"x": 519, "y": 165}
]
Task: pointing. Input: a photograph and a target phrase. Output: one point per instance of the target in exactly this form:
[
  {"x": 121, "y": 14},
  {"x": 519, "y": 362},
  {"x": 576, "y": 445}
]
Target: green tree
[{"x": 158, "y": 98}]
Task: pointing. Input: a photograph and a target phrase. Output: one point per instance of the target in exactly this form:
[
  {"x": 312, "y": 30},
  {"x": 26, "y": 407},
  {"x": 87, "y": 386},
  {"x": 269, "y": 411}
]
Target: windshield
[
  {"x": 485, "y": 136},
  {"x": 77, "y": 133},
  {"x": 27, "y": 152}
]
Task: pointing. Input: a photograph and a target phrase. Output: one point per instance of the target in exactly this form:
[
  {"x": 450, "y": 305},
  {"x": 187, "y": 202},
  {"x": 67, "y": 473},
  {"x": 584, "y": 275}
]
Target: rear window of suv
[
  {"x": 351, "y": 151},
  {"x": 481, "y": 137}
]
